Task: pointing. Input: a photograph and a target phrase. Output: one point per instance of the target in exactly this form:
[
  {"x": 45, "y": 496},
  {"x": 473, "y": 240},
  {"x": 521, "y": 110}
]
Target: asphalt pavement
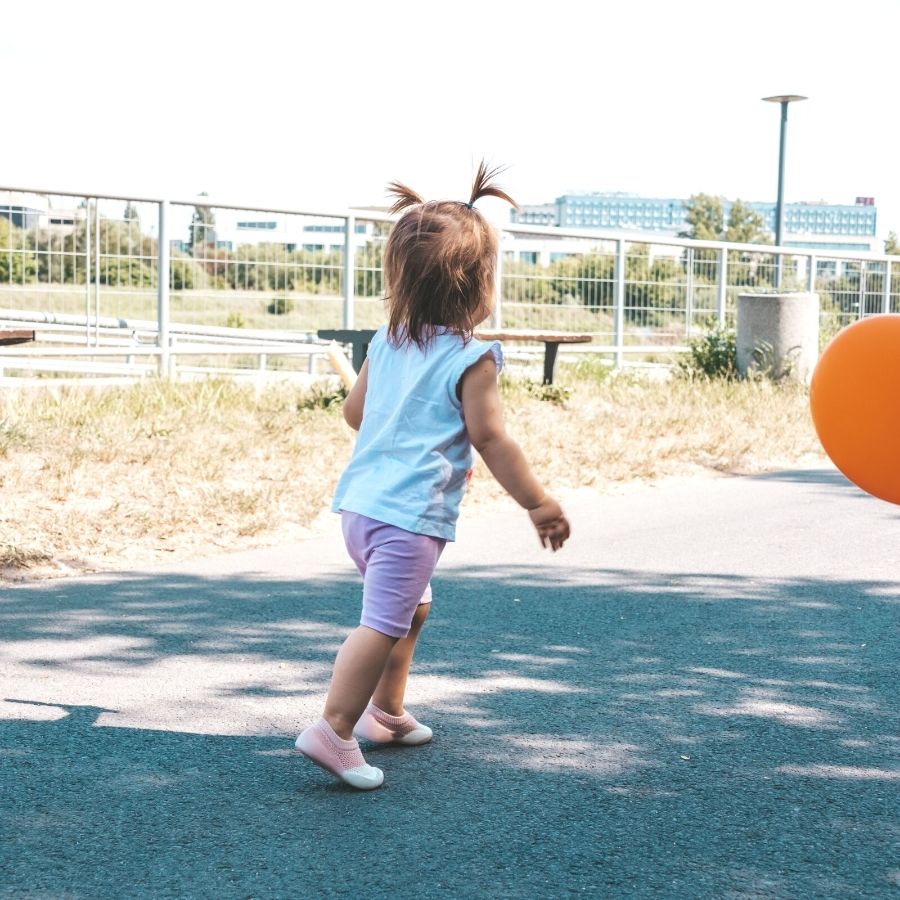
[{"x": 697, "y": 698}]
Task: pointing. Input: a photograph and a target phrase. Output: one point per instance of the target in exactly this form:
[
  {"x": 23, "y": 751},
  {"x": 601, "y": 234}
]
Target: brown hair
[{"x": 439, "y": 262}]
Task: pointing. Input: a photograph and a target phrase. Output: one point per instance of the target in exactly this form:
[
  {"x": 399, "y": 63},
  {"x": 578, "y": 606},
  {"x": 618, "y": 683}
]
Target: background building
[
  {"x": 30, "y": 211},
  {"x": 824, "y": 226}
]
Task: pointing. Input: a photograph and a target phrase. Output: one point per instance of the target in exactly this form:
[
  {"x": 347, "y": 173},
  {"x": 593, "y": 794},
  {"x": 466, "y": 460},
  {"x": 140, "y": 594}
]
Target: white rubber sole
[
  {"x": 363, "y": 778},
  {"x": 420, "y": 735},
  {"x": 370, "y": 729}
]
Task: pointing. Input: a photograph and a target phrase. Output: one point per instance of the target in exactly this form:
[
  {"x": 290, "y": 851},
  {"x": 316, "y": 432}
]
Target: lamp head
[{"x": 785, "y": 98}]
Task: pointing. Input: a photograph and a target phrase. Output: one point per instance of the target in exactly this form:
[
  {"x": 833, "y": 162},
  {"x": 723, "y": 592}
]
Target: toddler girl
[{"x": 426, "y": 395}]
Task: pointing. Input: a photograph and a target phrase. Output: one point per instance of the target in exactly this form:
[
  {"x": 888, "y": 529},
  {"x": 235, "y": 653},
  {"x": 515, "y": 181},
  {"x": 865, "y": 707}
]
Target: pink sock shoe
[
  {"x": 376, "y": 725},
  {"x": 342, "y": 758}
]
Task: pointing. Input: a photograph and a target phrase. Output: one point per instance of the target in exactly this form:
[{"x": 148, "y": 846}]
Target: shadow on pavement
[
  {"x": 615, "y": 733},
  {"x": 808, "y": 476}
]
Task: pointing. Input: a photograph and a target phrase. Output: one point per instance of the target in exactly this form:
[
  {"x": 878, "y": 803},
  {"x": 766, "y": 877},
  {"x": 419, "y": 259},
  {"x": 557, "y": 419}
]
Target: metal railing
[
  {"x": 131, "y": 348},
  {"x": 262, "y": 270}
]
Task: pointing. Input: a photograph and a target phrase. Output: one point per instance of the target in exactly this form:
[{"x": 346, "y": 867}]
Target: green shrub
[
  {"x": 549, "y": 393},
  {"x": 322, "y": 397},
  {"x": 280, "y": 306},
  {"x": 587, "y": 368},
  {"x": 713, "y": 355}
]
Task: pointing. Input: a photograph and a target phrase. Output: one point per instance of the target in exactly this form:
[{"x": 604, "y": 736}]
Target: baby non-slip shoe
[
  {"x": 377, "y": 726},
  {"x": 343, "y": 759}
]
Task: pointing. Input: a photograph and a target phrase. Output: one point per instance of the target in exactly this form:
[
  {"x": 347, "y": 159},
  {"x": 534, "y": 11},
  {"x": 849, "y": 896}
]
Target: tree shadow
[
  {"x": 831, "y": 481},
  {"x": 831, "y": 477},
  {"x": 597, "y": 731}
]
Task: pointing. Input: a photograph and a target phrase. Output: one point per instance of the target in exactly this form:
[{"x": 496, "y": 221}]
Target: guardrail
[
  {"x": 130, "y": 348},
  {"x": 255, "y": 271}
]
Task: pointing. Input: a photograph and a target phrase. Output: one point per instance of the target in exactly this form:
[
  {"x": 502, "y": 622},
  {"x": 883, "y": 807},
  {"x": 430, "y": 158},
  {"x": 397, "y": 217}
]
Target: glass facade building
[{"x": 803, "y": 222}]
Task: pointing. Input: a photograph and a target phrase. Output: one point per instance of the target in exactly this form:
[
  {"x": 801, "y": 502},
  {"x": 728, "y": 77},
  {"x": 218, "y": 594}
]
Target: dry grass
[
  {"x": 629, "y": 428},
  {"x": 108, "y": 479}
]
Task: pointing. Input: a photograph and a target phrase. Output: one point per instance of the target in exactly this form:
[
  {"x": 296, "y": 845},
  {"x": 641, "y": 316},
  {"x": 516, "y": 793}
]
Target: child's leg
[
  {"x": 357, "y": 670},
  {"x": 391, "y": 688},
  {"x": 396, "y": 566}
]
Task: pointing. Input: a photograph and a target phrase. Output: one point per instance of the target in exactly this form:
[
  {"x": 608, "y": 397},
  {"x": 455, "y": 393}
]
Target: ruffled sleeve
[{"x": 471, "y": 353}]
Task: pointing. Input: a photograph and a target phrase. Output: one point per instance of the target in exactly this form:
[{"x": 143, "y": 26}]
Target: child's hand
[{"x": 551, "y": 523}]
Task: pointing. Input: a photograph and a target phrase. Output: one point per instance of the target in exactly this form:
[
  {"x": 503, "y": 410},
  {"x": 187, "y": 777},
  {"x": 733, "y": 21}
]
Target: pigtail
[
  {"x": 406, "y": 196},
  {"x": 440, "y": 263},
  {"x": 482, "y": 186}
]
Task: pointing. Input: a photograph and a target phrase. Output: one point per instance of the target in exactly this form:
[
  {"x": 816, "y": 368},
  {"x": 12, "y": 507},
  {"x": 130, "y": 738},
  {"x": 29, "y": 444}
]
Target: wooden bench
[
  {"x": 550, "y": 339},
  {"x": 360, "y": 338},
  {"x": 15, "y": 337}
]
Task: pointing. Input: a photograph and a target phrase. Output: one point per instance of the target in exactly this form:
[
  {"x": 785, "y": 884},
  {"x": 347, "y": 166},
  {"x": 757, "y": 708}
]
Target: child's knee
[{"x": 421, "y": 614}]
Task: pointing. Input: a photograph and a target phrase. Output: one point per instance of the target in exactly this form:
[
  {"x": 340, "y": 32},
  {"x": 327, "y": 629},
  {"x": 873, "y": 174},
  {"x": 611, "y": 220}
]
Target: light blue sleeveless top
[{"x": 412, "y": 454}]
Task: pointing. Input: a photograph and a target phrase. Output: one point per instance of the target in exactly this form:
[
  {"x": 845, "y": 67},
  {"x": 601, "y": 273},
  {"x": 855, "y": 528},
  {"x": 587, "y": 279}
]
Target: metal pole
[
  {"x": 811, "y": 274},
  {"x": 886, "y": 289},
  {"x": 783, "y": 100},
  {"x": 779, "y": 204},
  {"x": 162, "y": 291},
  {"x": 619, "y": 304},
  {"x": 350, "y": 225},
  {"x": 722, "y": 287}
]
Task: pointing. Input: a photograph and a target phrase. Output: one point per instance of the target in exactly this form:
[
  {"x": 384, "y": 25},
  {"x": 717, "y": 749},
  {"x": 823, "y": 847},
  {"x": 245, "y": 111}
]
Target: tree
[
  {"x": 585, "y": 279},
  {"x": 892, "y": 244},
  {"x": 649, "y": 300},
  {"x": 18, "y": 264},
  {"x": 182, "y": 273},
  {"x": 705, "y": 217},
  {"x": 131, "y": 214},
  {"x": 745, "y": 226},
  {"x": 202, "y": 231}
]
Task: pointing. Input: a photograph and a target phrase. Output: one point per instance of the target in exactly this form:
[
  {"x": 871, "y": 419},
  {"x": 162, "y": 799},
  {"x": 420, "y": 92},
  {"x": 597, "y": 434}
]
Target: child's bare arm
[
  {"x": 356, "y": 399},
  {"x": 503, "y": 456},
  {"x": 484, "y": 424}
]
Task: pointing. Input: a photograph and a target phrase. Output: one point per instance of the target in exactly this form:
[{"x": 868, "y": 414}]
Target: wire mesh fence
[
  {"x": 255, "y": 269},
  {"x": 264, "y": 270}
]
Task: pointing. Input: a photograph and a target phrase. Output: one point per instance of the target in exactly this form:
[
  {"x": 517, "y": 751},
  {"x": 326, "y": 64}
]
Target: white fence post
[
  {"x": 886, "y": 289},
  {"x": 619, "y": 304},
  {"x": 162, "y": 291},
  {"x": 722, "y": 287},
  {"x": 861, "y": 297},
  {"x": 96, "y": 269},
  {"x": 87, "y": 271},
  {"x": 349, "y": 273},
  {"x": 689, "y": 295}
]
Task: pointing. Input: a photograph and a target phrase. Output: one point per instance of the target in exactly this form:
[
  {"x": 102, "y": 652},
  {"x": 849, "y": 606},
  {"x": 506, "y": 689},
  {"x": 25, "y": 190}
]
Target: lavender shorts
[{"x": 396, "y": 567}]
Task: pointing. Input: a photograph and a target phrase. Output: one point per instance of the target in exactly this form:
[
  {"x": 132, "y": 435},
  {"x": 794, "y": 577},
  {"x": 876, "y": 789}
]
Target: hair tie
[{"x": 469, "y": 205}]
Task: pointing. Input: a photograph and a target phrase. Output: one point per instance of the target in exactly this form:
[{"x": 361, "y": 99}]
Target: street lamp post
[{"x": 784, "y": 100}]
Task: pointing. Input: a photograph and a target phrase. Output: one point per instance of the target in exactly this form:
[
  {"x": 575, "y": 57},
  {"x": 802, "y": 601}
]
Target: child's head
[{"x": 440, "y": 262}]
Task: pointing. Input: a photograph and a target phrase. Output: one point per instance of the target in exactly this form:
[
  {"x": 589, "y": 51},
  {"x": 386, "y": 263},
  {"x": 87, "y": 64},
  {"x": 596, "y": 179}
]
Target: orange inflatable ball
[{"x": 855, "y": 401}]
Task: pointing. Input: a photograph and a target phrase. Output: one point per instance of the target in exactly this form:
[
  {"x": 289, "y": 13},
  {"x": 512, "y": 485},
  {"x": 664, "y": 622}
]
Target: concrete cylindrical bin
[{"x": 778, "y": 334}]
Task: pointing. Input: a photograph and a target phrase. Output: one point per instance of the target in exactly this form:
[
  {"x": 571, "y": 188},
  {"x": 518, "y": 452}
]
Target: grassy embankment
[{"x": 107, "y": 479}]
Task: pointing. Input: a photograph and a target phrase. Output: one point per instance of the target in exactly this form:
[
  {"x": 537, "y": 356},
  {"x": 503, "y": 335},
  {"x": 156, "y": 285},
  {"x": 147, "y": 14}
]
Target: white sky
[{"x": 319, "y": 105}]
